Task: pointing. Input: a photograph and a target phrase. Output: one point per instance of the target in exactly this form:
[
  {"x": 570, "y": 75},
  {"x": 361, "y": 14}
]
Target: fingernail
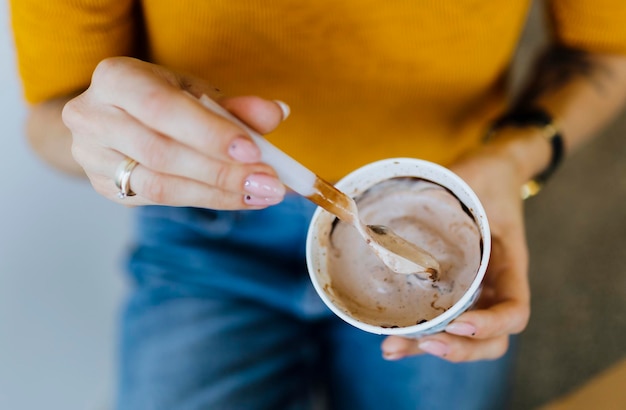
[
  {"x": 264, "y": 186},
  {"x": 284, "y": 108},
  {"x": 434, "y": 347},
  {"x": 244, "y": 150},
  {"x": 262, "y": 201},
  {"x": 461, "y": 329},
  {"x": 393, "y": 355}
]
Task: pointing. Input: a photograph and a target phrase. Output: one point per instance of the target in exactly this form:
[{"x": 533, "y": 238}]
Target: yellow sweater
[{"x": 365, "y": 79}]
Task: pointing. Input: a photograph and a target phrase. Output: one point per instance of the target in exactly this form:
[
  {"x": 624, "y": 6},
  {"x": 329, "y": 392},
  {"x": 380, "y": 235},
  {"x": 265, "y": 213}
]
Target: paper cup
[{"x": 356, "y": 183}]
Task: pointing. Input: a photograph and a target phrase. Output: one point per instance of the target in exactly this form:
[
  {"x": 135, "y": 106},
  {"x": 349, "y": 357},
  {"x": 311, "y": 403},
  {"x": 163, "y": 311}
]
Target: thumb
[{"x": 260, "y": 114}]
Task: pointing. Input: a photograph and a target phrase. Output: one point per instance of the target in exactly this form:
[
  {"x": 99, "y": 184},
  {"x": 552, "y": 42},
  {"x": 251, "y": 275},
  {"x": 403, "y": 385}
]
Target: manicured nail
[
  {"x": 284, "y": 108},
  {"x": 264, "y": 186},
  {"x": 393, "y": 355},
  {"x": 461, "y": 329},
  {"x": 244, "y": 150},
  {"x": 261, "y": 201},
  {"x": 434, "y": 347}
]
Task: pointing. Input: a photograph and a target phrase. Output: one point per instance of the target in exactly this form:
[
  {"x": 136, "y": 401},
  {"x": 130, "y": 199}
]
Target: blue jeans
[{"x": 222, "y": 315}]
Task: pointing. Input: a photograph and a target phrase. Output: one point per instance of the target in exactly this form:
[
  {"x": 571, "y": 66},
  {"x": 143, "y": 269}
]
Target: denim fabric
[{"x": 222, "y": 315}]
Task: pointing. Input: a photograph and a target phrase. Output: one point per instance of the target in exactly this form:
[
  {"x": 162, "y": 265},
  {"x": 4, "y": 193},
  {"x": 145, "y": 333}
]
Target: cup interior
[{"x": 359, "y": 181}]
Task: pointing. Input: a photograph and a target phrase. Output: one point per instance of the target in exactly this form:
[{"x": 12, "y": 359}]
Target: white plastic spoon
[{"x": 400, "y": 255}]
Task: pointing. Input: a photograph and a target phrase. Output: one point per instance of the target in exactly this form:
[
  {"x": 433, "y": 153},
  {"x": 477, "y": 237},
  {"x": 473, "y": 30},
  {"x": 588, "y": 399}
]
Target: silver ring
[{"x": 122, "y": 177}]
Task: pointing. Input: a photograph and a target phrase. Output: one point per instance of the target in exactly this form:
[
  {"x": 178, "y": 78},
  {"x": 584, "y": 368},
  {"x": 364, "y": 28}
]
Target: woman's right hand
[{"x": 187, "y": 155}]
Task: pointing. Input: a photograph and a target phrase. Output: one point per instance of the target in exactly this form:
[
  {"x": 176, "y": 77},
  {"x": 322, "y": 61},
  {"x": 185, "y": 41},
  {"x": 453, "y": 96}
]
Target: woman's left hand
[{"x": 504, "y": 305}]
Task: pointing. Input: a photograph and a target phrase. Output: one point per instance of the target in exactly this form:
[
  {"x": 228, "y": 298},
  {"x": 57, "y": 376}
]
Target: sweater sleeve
[
  {"x": 596, "y": 26},
  {"x": 59, "y": 43}
]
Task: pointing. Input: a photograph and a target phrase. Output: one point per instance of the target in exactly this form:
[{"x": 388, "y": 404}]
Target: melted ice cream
[{"x": 423, "y": 213}]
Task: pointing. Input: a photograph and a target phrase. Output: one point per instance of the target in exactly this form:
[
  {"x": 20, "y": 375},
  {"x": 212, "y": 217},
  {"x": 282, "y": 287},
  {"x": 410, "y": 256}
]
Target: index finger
[
  {"x": 151, "y": 95},
  {"x": 509, "y": 317},
  {"x": 504, "y": 307}
]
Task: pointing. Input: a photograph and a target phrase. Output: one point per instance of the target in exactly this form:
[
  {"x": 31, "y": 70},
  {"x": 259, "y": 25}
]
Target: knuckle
[
  {"x": 157, "y": 155},
  {"x": 72, "y": 113},
  {"x": 156, "y": 103},
  {"x": 154, "y": 188},
  {"x": 500, "y": 348},
  {"x": 77, "y": 115},
  {"x": 109, "y": 68},
  {"x": 523, "y": 319},
  {"x": 221, "y": 176}
]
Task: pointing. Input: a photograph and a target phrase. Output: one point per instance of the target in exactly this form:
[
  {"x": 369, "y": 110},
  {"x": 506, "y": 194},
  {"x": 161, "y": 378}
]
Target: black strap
[{"x": 539, "y": 118}]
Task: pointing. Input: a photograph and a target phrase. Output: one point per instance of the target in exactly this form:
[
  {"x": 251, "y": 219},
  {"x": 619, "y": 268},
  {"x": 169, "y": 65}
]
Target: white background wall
[{"x": 61, "y": 248}]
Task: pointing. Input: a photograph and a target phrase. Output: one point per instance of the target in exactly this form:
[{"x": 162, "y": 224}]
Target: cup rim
[{"x": 378, "y": 171}]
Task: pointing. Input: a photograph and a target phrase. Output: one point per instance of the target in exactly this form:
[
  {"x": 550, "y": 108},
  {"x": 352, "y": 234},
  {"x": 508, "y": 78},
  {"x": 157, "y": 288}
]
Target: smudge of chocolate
[
  {"x": 432, "y": 305},
  {"x": 432, "y": 274},
  {"x": 378, "y": 229},
  {"x": 331, "y": 199}
]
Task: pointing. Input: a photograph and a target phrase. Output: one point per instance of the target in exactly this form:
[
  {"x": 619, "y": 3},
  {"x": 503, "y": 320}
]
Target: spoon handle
[
  {"x": 293, "y": 174},
  {"x": 306, "y": 183}
]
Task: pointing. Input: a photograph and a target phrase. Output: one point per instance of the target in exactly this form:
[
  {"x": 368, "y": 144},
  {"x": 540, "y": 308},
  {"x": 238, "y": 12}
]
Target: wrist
[
  {"x": 533, "y": 141},
  {"x": 525, "y": 148}
]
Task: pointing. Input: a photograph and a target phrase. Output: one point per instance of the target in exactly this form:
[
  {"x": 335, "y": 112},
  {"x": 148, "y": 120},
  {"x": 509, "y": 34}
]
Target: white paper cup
[{"x": 358, "y": 182}]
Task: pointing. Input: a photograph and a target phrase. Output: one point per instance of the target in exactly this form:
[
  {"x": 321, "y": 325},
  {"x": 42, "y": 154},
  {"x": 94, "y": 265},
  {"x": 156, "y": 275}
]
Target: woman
[{"x": 222, "y": 314}]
